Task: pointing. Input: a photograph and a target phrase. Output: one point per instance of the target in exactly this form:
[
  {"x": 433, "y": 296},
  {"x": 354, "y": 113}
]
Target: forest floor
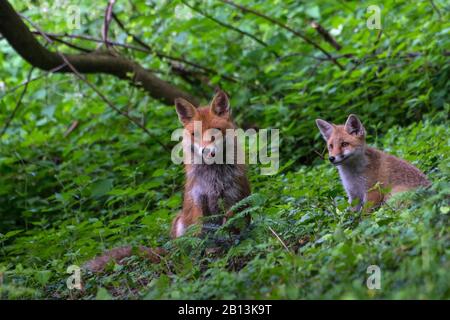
[{"x": 303, "y": 242}]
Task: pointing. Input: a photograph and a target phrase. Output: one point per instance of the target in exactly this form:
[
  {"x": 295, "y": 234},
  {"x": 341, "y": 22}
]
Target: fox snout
[
  {"x": 209, "y": 151},
  {"x": 338, "y": 158}
]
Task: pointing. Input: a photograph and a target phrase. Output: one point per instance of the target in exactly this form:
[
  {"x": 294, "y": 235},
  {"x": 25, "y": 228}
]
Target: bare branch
[
  {"x": 72, "y": 127},
  {"x": 168, "y": 57},
  {"x": 279, "y": 239},
  {"x": 107, "y": 21},
  {"x": 109, "y": 103},
  {"x": 18, "y": 104},
  {"x": 228, "y": 26},
  {"x": 325, "y": 35},
  {"x": 284, "y": 26},
  {"x": 31, "y": 80}
]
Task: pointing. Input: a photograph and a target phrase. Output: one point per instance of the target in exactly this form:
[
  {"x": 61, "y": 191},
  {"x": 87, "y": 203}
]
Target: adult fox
[
  {"x": 208, "y": 184},
  {"x": 365, "y": 171}
]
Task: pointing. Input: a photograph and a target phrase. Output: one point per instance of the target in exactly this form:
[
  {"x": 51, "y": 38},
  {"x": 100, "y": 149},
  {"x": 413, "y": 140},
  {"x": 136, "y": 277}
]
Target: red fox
[
  {"x": 364, "y": 171},
  {"x": 207, "y": 185}
]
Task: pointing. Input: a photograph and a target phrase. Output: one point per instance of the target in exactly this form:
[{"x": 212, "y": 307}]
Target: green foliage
[{"x": 67, "y": 195}]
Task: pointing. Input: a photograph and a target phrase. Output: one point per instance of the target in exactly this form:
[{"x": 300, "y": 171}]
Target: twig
[
  {"x": 436, "y": 9},
  {"x": 18, "y": 104},
  {"x": 107, "y": 21},
  {"x": 109, "y": 103},
  {"x": 58, "y": 36},
  {"x": 279, "y": 239},
  {"x": 319, "y": 154},
  {"x": 284, "y": 26},
  {"x": 228, "y": 26},
  {"x": 168, "y": 57},
  {"x": 69, "y": 44},
  {"x": 326, "y": 35},
  {"x": 322, "y": 58},
  {"x": 32, "y": 80},
  {"x": 99, "y": 93},
  {"x": 72, "y": 127}
]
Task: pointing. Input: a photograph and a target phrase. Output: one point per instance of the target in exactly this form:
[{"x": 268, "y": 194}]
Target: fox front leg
[{"x": 356, "y": 203}]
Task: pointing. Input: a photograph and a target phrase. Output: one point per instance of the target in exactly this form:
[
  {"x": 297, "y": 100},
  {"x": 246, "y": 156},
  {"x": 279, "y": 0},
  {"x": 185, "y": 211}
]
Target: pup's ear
[
  {"x": 354, "y": 126},
  {"x": 220, "y": 104},
  {"x": 186, "y": 110},
  {"x": 326, "y": 128}
]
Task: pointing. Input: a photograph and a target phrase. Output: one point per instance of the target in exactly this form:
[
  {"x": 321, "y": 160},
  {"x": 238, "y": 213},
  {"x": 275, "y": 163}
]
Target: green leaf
[
  {"x": 313, "y": 12},
  {"x": 101, "y": 187},
  {"x": 103, "y": 294},
  {"x": 43, "y": 276}
]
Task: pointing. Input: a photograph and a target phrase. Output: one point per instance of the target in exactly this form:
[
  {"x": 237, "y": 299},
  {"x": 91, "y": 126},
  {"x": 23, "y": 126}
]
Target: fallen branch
[{"x": 279, "y": 239}]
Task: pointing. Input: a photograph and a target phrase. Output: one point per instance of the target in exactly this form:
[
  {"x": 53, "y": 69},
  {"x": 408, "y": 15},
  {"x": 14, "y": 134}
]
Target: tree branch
[
  {"x": 284, "y": 26},
  {"x": 109, "y": 103},
  {"x": 326, "y": 35},
  {"x": 25, "y": 44},
  {"x": 18, "y": 104},
  {"x": 228, "y": 26},
  {"x": 168, "y": 57},
  {"x": 107, "y": 21}
]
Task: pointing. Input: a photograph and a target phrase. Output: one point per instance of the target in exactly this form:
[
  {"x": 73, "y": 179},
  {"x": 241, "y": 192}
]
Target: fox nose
[
  {"x": 331, "y": 158},
  {"x": 209, "y": 152}
]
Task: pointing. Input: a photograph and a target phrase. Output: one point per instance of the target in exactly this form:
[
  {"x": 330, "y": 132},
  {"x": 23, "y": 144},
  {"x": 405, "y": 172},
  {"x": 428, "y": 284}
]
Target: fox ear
[
  {"x": 220, "y": 104},
  {"x": 186, "y": 111},
  {"x": 354, "y": 126},
  {"x": 326, "y": 128}
]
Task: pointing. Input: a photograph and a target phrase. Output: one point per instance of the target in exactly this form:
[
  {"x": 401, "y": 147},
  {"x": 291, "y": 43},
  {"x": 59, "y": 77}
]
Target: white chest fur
[{"x": 354, "y": 182}]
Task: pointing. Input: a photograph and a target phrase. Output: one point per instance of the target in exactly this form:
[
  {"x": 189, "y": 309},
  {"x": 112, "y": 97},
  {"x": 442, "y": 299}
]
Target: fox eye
[
  {"x": 331, "y": 146},
  {"x": 344, "y": 144}
]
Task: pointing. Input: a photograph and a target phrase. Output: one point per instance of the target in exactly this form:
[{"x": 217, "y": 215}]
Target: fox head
[
  {"x": 344, "y": 142},
  {"x": 205, "y": 127}
]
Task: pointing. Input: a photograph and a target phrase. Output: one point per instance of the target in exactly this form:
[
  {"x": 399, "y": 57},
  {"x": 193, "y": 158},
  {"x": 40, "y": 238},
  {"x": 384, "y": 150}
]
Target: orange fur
[
  {"x": 215, "y": 116},
  {"x": 235, "y": 182}
]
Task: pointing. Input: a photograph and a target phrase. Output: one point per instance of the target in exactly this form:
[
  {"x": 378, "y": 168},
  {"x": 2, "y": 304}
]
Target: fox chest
[
  {"x": 355, "y": 185},
  {"x": 214, "y": 190}
]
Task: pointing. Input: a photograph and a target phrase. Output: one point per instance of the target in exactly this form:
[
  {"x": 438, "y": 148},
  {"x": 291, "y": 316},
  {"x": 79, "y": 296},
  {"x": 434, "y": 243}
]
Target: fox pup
[
  {"x": 364, "y": 170},
  {"x": 208, "y": 184}
]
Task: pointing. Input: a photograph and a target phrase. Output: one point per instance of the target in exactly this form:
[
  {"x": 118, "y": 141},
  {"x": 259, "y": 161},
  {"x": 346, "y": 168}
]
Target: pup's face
[{"x": 343, "y": 141}]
